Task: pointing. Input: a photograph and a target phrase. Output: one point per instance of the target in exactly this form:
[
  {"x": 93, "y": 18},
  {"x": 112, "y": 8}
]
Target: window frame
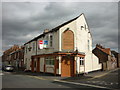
[
  {"x": 33, "y": 46},
  {"x": 82, "y": 61},
  {"x": 26, "y": 49},
  {"x": 49, "y": 61},
  {"x": 51, "y": 40}
]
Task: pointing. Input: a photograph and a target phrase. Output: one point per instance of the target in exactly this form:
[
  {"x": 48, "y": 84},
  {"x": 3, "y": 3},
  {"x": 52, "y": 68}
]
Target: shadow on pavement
[{"x": 80, "y": 77}]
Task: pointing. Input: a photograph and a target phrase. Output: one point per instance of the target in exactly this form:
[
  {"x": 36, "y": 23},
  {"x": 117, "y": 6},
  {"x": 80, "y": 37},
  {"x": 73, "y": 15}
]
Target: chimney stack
[{"x": 46, "y": 30}]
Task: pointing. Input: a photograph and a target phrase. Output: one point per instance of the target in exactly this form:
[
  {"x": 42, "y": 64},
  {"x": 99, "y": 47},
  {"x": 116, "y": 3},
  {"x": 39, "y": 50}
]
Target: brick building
[
  {"x": 17, "y": 57},
  {"x": 108, "y": 60},
  {"x": 117, "y": 56},
  {"x": 6, "y": 57},
  {"x": 14, "y": 56}
]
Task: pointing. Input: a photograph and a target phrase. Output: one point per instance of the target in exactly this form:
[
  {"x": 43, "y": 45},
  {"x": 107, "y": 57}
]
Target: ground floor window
[
  {"x": 81, "y": 61},
  {"x": 49, "y": 60}
]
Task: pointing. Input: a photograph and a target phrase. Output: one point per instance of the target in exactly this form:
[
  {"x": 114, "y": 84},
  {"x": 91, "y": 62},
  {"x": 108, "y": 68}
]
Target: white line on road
[{"x": 82, "y": 84}]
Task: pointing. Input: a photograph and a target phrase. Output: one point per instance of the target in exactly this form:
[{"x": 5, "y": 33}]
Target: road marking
[
  {"x": 82, "y": 84},
  {"x": 102, "y": 74},
  {"x": 37, "y": 77},
  {"x": 90, "y": 85},
  {"x": 59, "y": 85}
]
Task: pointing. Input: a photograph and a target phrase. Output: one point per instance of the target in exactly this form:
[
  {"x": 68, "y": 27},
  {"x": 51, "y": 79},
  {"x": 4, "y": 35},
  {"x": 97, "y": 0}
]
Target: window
[
  {"x": 85, "y": 27},
  {"x": 26, "y": 49},
  {"x": 81, "y": 61},
  {"x": 82, "y": 27},
  {"x": 49, "y": 61},
  {"x": 47, "y": 37},
  {"x": 88, "y": 45},
  {"x": 33, "y": 46},
  {"x": 51, "y": 39}
]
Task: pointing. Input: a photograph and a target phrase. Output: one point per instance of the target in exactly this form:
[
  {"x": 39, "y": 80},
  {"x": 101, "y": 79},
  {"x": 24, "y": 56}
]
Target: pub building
[{"x": 65, "y": 50}]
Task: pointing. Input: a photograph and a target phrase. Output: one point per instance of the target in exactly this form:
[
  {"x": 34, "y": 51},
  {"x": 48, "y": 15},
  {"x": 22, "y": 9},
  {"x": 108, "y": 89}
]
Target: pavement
[
  {"x": 101, "y": 79},
  {"x": 91, "y": 75}
]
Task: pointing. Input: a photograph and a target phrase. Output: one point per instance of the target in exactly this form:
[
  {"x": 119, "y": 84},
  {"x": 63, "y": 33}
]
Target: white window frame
[
  {"x": 82, "y": 61},
  {"x": 49, "y": 60},
  {"x": 33, "y": 46}
]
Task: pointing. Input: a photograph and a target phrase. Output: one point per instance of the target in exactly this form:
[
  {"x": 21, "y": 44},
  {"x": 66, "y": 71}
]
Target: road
[
  {"x": 10, "y": 80},
  {"x": 109, "y": 79}
]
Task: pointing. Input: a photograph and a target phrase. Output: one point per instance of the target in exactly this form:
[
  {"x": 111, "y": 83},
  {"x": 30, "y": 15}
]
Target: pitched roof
[
  {"x": 98, "y": 49},
  {"x": 54, "y": 29}
]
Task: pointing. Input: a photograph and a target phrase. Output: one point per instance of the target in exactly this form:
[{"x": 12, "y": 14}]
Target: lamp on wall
[
  {"x": 76, "y": 51},
  {"x": 67, "y": 28}
]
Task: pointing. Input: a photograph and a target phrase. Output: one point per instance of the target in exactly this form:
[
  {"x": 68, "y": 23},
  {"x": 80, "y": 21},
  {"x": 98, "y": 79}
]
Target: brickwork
[{"x": 108, "y": 60}]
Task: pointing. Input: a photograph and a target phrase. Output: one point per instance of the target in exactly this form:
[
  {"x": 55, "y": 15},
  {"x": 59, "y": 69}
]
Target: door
[{"x": 67, "y": 67}]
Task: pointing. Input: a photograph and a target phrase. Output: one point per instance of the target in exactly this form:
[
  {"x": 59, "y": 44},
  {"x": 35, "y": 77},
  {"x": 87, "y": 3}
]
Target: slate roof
[{"x": 53, "y": 30}]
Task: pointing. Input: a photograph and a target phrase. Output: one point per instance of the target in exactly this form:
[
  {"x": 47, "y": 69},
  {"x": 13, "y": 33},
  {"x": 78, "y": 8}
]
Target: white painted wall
[
  {"x": 27, "y": 56},
  {"x": 52, "y": 49},
  {"x": 72, "y": 27},
  {"x": 50, "y": 68},
  {"x": 41, "y": 64},
  {"x": 82, "y": 37}
]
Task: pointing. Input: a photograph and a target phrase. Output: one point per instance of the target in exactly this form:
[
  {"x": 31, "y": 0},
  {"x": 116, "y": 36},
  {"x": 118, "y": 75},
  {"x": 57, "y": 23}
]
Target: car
[{"x": 9, "y": 68}]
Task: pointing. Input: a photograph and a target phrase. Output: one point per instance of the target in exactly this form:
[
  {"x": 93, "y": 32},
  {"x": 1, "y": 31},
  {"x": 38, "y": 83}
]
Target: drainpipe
[
  {"x": 36, "y": 47},
  {"x": 84, "y": 66}
]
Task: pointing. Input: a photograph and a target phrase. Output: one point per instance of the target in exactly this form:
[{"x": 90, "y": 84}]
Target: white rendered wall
[
  {"x": 41, "y": 64},
  {"x": 29, "y": 54},
  {"x": 52, "y": 49},
  {"x": 82, "y": 38},
  {"x": 72, "y": 27}
]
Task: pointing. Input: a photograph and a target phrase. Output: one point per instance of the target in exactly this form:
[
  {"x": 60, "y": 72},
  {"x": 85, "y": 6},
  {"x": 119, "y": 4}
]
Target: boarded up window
[{"x": 68, "y": 40}]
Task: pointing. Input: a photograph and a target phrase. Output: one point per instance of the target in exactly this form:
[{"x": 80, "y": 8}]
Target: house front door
[{"x": 67, "y": 66}]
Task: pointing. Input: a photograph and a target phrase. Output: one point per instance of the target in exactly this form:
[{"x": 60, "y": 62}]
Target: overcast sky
[{"x": 22, "y": 21}]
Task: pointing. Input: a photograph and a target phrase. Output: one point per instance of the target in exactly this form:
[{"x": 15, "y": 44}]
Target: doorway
[{"x": 68, "y": 66}]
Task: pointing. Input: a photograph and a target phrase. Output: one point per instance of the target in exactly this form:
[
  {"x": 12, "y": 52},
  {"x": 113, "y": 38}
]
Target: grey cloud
[{"x": 22, "y": 19}]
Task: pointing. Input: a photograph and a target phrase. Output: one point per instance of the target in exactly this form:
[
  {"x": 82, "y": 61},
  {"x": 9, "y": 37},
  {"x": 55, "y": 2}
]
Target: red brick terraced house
[
  {"x": 14, "y": 56},
  {"x": 108, "y": 60}
]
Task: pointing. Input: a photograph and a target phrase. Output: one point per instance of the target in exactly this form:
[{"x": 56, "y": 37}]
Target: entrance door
[{"x": 67, "y": 67}]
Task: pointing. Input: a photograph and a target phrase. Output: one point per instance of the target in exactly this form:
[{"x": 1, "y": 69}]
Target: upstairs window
[
  {"x": 85, "y": 27},
  {"x": 51, "y": 40},
  {"x": 88, "y": 45},
  {"x": 33, "y": 46},
  {"x": 26, "y": 49},
  {"x": 82, "y": 27}
]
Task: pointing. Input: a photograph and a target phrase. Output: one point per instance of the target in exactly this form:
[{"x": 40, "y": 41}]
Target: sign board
[
  {"x": 40, "y": 44},
  {"x": 43, "y": 44}
]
